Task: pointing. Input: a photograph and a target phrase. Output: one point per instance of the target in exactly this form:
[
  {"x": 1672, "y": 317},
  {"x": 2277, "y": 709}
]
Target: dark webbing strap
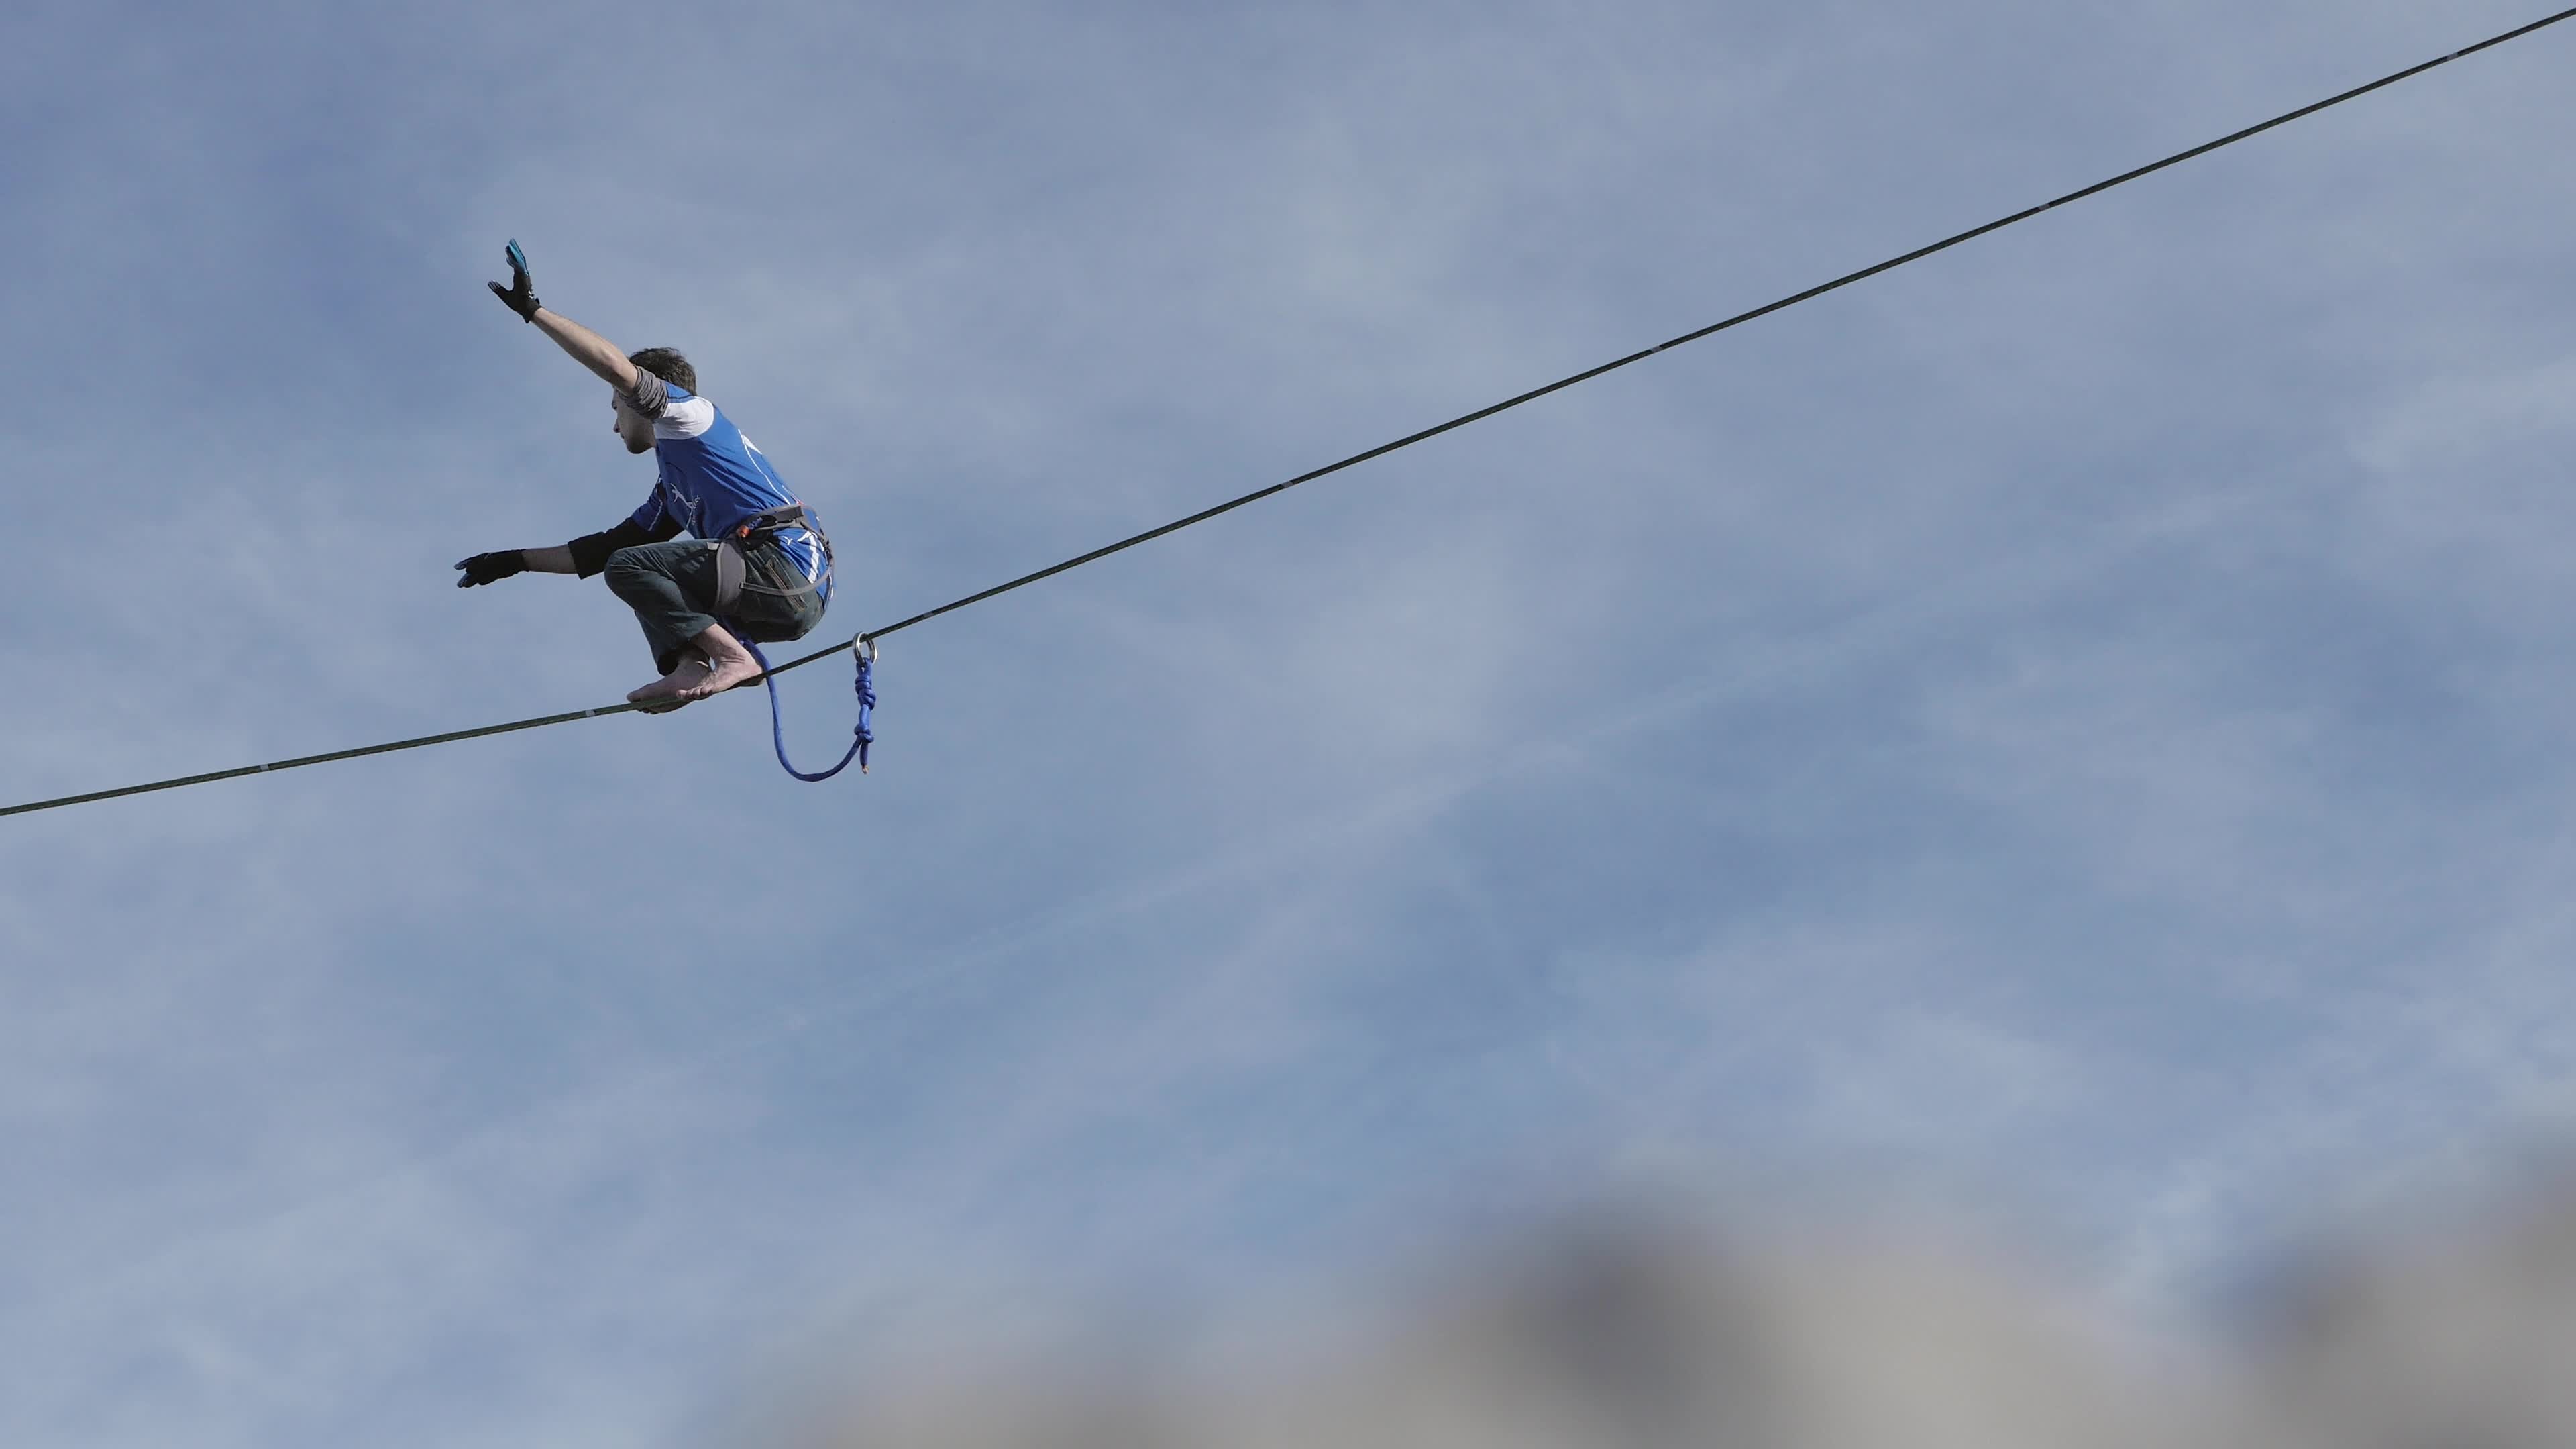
[{"x": 1380, "y": 451}]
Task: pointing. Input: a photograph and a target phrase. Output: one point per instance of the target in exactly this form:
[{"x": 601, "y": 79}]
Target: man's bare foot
[
  {"x": 666, "y": 693},
  {"x": 712, "y": 663}
]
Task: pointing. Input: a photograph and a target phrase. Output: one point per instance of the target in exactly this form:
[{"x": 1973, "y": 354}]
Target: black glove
[
  {"x": 521, "y": 295},
  {"x": 486, "y": 568}
]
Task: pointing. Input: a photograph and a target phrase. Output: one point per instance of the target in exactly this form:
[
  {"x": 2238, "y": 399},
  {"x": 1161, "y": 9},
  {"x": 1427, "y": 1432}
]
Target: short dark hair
[{"x": 667, "y": 364}]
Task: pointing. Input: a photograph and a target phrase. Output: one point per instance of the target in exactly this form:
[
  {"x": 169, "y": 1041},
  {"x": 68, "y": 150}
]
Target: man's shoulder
[{"x": 685, "y": 415}]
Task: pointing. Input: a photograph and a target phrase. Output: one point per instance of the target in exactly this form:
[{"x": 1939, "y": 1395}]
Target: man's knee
[{"x": 629, "y": 572}]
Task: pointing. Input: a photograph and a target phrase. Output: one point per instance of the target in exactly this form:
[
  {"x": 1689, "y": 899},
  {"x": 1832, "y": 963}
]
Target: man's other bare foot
[{"x": 727, "y": 664}]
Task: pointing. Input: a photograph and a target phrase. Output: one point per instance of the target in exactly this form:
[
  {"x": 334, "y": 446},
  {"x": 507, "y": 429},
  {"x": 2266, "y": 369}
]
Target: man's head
[{"x": 667, "y": 364}]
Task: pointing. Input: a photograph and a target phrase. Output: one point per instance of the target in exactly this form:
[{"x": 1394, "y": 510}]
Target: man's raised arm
[{"x": 586, "y": 347}]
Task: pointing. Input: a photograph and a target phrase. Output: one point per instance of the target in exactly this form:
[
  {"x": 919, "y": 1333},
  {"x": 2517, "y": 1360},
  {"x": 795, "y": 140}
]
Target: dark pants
[{"x": 672, "y": 589}]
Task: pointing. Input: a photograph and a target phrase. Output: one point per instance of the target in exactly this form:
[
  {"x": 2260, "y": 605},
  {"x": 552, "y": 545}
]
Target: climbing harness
[{"x": 733, "y": 571}]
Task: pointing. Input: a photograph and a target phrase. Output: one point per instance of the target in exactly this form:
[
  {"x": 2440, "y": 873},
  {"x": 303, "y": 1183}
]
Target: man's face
[{"x": 633, "y": 427}]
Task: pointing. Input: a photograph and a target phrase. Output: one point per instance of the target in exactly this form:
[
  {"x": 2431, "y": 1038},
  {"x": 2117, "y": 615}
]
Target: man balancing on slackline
[{"x": 756, "y": 565}]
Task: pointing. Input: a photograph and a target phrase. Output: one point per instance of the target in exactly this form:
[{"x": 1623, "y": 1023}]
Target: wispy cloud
[{"x": 2079, "y": 715}]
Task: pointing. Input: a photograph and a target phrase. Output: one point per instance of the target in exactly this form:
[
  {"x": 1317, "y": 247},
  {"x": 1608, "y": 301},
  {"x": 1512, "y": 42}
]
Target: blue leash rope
[{"x": 865, "y": 652}]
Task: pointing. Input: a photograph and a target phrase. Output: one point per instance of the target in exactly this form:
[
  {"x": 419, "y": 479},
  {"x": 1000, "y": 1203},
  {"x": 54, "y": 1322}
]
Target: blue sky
[{"x": 2075, "y": 726}]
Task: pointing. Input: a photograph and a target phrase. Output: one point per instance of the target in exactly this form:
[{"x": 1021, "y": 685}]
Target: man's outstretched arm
[
  {"x": 586, "y": 347},
  {"x": 491, "y": 568}
]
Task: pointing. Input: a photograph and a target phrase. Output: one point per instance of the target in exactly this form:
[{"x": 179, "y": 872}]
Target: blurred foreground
[{"x": 1628, "y": 1333}]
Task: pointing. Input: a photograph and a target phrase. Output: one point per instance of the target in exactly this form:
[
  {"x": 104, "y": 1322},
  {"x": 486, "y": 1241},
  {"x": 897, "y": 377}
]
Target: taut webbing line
[{"x": 1382, "y": 449}]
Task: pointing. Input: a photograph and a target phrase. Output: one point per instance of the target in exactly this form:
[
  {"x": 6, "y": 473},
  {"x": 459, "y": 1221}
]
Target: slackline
[{"x": 1024, "y": 580}]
